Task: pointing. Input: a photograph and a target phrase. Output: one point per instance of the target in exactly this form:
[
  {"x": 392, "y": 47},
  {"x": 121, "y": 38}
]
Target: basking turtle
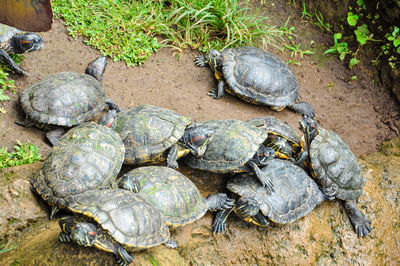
[
  {"x": 14, "y": 41},
  {"x": 152, "y": 134},
  {"x": 286, "y": 142},
  {"x": 87, "y": 157},
  {"x": 65, "y": 99},
  {"x": 335, "y": 168},
  {"x": 296, "y": 194},
  {"x": 236, "y": 147},
  {"x": 254, "y": 76},
  {"x": 173, "y": 194},
  {"x": 115, "y": 220}
]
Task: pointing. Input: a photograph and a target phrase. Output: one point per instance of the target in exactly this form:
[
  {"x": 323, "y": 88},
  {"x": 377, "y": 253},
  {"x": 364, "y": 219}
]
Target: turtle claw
[
  {"x": 363, "y": 229},
  {"x": 330, "y": 192},
  {"x": 200, "y": 61},
  {"x": 219, "y": 201},
  {"x": 219, "y": 223},
  {"x": 64, "y": 237},
  {"x": 213, "y": 93}
]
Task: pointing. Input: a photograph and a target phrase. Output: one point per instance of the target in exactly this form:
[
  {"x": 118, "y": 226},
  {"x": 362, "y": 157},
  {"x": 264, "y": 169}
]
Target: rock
[{"x": 18, "y": 205}]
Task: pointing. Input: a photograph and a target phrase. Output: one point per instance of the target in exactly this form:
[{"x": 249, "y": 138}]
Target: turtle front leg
[
  {"x": 219, "y": 201},
  {"x": 330, "y": 191},
  {"x": 26, "y": 123},
  {"x": 264, "y": 180},
  {"x": 219, "y": 91},
  {"x": 130, "y": 183},
  {"x": 123, "y": 257},
  {"x": 170, "y": 244},
  {"x": 172, "y": 157},
  {"x": 219, "y": 223},
  {"x": 360, "y": 222},
  {"x": 200, "y": 61},
  {"x": 303, "y": 108},
  {"x": 5, "y": 57}
]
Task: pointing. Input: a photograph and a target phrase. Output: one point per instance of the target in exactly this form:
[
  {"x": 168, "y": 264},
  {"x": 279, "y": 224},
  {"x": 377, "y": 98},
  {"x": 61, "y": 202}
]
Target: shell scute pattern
[
  {"x": 234, "y": 143},
  {"x": 296, "y": 194},
  {"x": 147, "y": 131},
  {"x": 78, "y": 163},
  {"x": 172, "y": 193},
  {"x": 128, "y": 217},
  {"x": 272, "y": 82},
  {"x": 333, "y": 161},
  {"x": 63, "y": 99}
]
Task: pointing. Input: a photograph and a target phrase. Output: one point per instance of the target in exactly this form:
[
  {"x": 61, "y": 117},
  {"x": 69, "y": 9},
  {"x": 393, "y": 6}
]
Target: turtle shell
[
  {"x": 128, "y": 217},
  {"x": 259, "y": 77},
  {"x": 295, "y": 193},
  {"x": 278, "y": 128},
  {"x": 233, "y": 144},
  {"x": 63, "y": 99},
  {"x": 6, "y": 33},
  {"x": 172, "y": 193},
  {"x": 332, "y": 161},
  {"x": 87, "y": 157},
  {"x": 148, "y": 131}
]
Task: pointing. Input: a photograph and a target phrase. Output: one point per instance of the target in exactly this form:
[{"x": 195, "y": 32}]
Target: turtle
[
  {"x": 256, "y": 77},
  {"x": 87, "y": 157},
  {"x": 175, "y": 195},
  {"x": 27, "y": 15},
  {"x": 236, "y": 146},
  {"x": 335, "y": 168},
  {"x": 65, "y": 100},
  {"x": 295, "y": 195},
  {"x": 14, "y": 41},
  {"x": 286, "y": 142},
  {"x": 152, "y": 134},
  {"x": 115, "y": 220}
]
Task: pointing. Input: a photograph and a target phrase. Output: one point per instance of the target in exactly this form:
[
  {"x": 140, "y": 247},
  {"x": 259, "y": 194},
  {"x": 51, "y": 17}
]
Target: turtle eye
[{"x": 313, "y": 125}]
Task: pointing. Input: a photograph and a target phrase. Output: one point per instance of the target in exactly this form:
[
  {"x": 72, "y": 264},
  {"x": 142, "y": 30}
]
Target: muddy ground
[{"x": 362, "y": 112}]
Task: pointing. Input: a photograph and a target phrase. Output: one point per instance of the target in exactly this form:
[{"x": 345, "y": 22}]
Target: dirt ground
[{"x": 361, "y": 112}]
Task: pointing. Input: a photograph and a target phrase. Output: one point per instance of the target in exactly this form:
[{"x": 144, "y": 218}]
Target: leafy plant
[
  {"x": 130, "y": 30},
  {"x": 340, "y": 48},
  {"x": 25, "y": 153},
  {"x": 297, "y": 51}
]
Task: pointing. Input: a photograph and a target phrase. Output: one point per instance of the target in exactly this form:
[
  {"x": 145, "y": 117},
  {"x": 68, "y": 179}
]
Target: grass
[
  {"x": 25, "y": 153},
  {"x": 133, "y": 30},
  {"x": 5, "y": 81}
]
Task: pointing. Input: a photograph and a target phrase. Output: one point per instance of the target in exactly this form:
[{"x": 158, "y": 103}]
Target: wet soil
[{"x": 362, "y": 112}]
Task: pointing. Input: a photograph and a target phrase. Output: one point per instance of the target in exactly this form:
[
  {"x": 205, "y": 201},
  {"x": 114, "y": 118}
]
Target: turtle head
[
  {"x": 27, "y": 42},
  {"x": 129, "y": 182},
  {"x": 108, "y": 118},
  {"x": 97, "y": 67},
  {"x": 85, "y": 234},
  {"x": 246, "y": 207},
  {"x": 264, "y": 154},
  {"x": 309, "y": 127},
  {"x": 196, "y": 139},
  {"x": 214, "y": 59}
]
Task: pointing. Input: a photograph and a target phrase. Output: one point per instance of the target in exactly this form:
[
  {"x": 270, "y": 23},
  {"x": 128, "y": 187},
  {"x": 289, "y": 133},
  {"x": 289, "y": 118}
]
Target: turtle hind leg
[
  {"x": 303, "y": 108},
  {"x": 26, "y": 123},
  {"x": 170, "y": 243},
  {"x": 54, "y": 135},
  {"x": 360, "y": 222},
  {"x": 5, "y": 57}
]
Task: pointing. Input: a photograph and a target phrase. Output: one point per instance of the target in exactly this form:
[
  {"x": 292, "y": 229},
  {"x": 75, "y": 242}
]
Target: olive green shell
[
  {"x": 172, "y": 193},
  {"x": 233, "y": 144},
  {"x": 6, "y": 33},
  {"x": 148, "y": 131},
  {"x": 276, "y": 127},
  {"x": 295, "y": 193},
  {"x": 259, "y": 77},
  {"x": 87, "y": 157},
  {"x": 63, "y": 99},
  {"x": 130, "y": 219},
  {"x": 332, "y": 161}
]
